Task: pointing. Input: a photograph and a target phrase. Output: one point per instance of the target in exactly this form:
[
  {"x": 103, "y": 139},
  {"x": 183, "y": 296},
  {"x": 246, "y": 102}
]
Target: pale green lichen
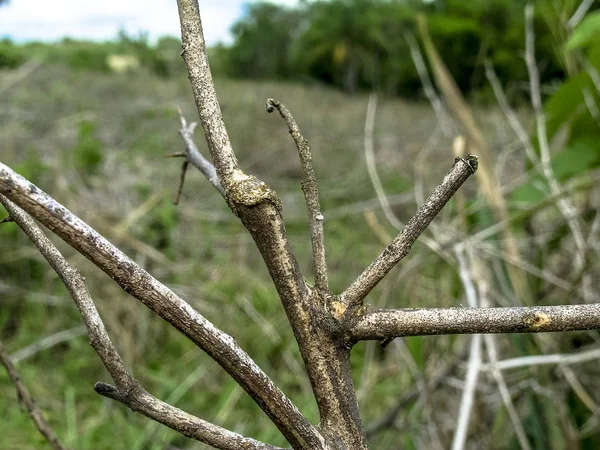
[
  {"x": 249, "y": 191},
  {"x": 537, "y": 320}
]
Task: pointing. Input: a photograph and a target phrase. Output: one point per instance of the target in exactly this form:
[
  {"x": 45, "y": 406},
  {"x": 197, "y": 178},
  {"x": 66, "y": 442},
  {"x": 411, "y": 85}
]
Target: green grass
[{"x": 96, "y": 143}]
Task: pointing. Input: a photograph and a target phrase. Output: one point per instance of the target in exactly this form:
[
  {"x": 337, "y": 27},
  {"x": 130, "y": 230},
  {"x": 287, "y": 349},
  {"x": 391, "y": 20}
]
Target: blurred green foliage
[
  {"x": 162, "y": 58},
  {"x": 89, "y": 151},
  {"x": 11, "y": 55},
  {"x": 352, "y": 44},
  {"x": 361, "y": 44},
  {"x": 571, "y": 113}
]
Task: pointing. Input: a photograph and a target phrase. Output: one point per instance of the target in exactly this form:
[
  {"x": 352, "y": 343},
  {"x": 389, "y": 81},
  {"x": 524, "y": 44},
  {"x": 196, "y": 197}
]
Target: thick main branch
[
  {"x": 462, "y": 169},
  {"x": 381, "y": 324}
]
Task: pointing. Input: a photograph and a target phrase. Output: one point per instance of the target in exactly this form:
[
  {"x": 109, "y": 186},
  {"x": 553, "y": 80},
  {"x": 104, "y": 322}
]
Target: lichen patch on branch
[
  {"x": 537, "y": 320},
  {"x": 248, "y": 190}
]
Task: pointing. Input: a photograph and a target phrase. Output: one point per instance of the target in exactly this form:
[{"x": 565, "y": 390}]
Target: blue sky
[{"x": 24, "y": 20}]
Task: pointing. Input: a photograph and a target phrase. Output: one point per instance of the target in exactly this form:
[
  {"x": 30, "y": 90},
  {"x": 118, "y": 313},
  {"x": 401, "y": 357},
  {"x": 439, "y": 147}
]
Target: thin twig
[
  {"x": 193, "y": 155},
  {"x": 401, "y": 245},
  {"x": 379, "y": 324},
  {"x": 164, "y": 302},
  {"x": 311, "y": 195},
  {"x": 25, "y": 397},
  {"x": 127, "y": 390},
  {"x": 184, "y": 167},
  {"x": 193, "y": 51}
]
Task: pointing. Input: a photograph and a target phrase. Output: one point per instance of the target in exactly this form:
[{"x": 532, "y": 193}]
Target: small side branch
[
  {"x": 193, "y": 155},
  {"x": 311, "y": 195},
  {"x": 127, "y": 390},
  {"x": 462, "y": 169},
  {"x": 379, "y": 324},
  {"x": 25, "y": 397}
]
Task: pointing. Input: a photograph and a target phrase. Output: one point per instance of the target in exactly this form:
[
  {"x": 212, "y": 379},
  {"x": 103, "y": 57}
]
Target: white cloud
[{"x": 24, "y": 20}]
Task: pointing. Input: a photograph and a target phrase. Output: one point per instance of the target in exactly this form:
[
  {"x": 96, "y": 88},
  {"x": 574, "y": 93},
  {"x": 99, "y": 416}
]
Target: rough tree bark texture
[{"x": 326, "y": 325}]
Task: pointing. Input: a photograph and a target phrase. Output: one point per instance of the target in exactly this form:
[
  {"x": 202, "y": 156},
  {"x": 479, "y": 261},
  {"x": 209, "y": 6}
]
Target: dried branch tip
[
  {"x": 272, "y": 104},
  {"x": 471, "y": 160}
]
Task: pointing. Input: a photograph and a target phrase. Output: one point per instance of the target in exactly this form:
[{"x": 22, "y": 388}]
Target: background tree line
[
  {"x": 362, "y": 44},
  {"x": 350, "y": 44}
]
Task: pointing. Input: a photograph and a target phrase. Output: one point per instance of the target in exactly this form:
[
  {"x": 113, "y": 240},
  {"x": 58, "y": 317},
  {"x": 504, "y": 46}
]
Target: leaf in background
[
  {"x": 573, "y": 160},
  {"x": 584, "y": 33},
  {"x": 415, "y": 347}
]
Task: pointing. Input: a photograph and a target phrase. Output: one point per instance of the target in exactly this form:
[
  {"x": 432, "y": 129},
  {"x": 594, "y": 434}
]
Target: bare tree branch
[
  {"x": 311, "y": 195},
  {"x": 462, "y": 169},
  {"x": 25, "y": 397},
  {"x": 378, "y": 324},
  {"x": 128, "y": 391},
  {"x": 164, "y": 302}
]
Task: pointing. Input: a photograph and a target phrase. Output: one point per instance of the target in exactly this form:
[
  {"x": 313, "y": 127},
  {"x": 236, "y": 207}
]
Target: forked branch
[
  {"x": 311, "y": 195},
  {"x": 164, "y": 302},
  {"x": 462, "y": 169}
]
